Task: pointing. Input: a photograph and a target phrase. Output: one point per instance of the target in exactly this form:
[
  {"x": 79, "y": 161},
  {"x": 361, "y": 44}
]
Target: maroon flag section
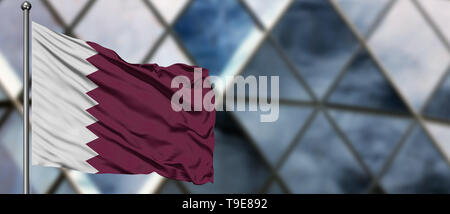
[{"x": 138, "y": 131}]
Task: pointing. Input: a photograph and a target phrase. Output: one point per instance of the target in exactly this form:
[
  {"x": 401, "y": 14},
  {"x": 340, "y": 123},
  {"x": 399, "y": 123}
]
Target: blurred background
[{"x": 364, "y": 90}]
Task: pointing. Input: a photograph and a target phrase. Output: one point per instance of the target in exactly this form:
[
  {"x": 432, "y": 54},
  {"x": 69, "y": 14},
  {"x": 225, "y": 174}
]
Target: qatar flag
[{"x": 96, "y": 113}]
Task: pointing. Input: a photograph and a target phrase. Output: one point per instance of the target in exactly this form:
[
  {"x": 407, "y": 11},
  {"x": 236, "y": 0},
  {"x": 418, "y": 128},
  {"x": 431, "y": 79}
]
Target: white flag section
[{"x": 59, "y": 86}]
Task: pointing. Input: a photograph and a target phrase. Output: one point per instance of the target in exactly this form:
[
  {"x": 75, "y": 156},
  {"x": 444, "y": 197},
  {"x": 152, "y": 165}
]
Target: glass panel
[
  {"x": 171, "y": 188},
  {"x": 274, "y": 138},
  {"x": 105, "y": 23},
  {"x": 441, "y": 132},
  {"x": 116, "y": 183},
  {"x": 68, "y": 10},
  {"x": 322, "y": 163},
  {"x": 374, "y": 137},
  {"x": 362, "y": 12},
  {"x": 438, "y": 10},
  {"x": 363, "y": 85},
  {"x": 11, "y": 38},
  {"x": 418, "y": 168},
  {"x": 267, "y": 10},
  {"x": 275, "y": 188},
  {"x": 439, "y": 106},
  {"x": 169, "y": 9},
  {"x": 267, "y": 62},
  {"x": 212, "y": 32},
  {"x": 237, "y": 166},
  {"x": 169, "y": 53},
  {"x": 308, "y": 33},
  {"x": 415, "y": 59},
  {"x": 65, "y": 188},
  {"x": 11, "y": 175},
  {"x": 42, "y": 178}
]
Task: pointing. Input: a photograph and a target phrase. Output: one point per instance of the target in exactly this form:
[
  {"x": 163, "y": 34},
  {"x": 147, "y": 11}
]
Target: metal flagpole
[{"x": 26, "y": 7}]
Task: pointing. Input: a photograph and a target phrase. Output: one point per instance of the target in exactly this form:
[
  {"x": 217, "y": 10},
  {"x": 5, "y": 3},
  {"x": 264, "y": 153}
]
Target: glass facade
[{"x": 364, "y": 90}]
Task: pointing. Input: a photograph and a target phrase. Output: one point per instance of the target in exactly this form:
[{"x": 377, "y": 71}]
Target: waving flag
[{"x": 94, "y": 112}]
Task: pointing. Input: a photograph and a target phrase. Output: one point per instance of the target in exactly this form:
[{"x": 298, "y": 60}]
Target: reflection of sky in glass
[
  {"x": 268, "y": 63},
  {"x": 169, "y": 54},
  {"x": 274, "y": 138},
  {"x": 65, "y": 188},
  {"x": 275, "y": 188},
  {"x": 169, "y": 9},
  {"x": 441, "y": 133},
  {"x": 67, "y": 9},
  {"x": 438, "y": 10},
  {"x": 321, "y": 163},
  {"x": 220, "y": 36},
  {"x": 439, "y": 106},
  {"x": 237, "y": 167},
  {"x": 316, "y": 40},
  {"x": 213, "y": 30},
  {"x": 142, "y": 28},
  {"x": 267, "y": 10},
  {"x": 416, "y": 59},
  {"x": 373, "y": 137},
  {"x": 418, "y": 168},
  {"x": 362, "y": 12},
  {"x": 363, "y": 85}
]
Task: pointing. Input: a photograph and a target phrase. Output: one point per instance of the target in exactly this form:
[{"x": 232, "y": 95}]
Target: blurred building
[{"x": 364, "y": 90}]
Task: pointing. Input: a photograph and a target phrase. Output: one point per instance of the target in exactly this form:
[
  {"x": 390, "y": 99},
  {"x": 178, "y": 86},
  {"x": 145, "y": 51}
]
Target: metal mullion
[
  {"x": 383, "y": 71},
  {"x": 292, "y": 67},
  {"x": 68, "y": 28},
  {"x": 373, "y": 27},
  {"x": 267, "y": 35},
  {"x": 154, "y": 11},
  {"x": 305, "y": 84},
  {"x": 287, "y": 152},
  {"x": 431, "y": 23},
  {"x": 55, "y": 184},
  {"x": 349, "y": 146},
  {"x": 55, "y": 14},
  {"x": 435, "y": 90},
  {"x": 79, "y": 17},
  {"x": 182, "y": 187},
  {"x": 436, "y": 29},
  {"x": 155, "y": 47},
  {"x": 365, "y": 110},
  {"x": 386, "y": 165},
  {"x": 169, "y": 27},
  {"x": 160, "y": 187},
  {"x": 253, "y": 144},
  {"x": 273, "y": 173}
]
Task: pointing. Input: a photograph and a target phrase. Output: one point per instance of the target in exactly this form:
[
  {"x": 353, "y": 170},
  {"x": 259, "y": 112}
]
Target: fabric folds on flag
[{"x": 96, "y": 113}]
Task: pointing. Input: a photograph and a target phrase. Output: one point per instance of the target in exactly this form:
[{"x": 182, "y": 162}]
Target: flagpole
[{"x": 26, "y": 7}]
